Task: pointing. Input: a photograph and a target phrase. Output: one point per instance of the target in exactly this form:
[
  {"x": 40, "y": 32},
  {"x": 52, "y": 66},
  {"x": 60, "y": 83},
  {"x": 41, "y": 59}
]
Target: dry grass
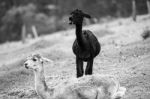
[{"x": 123, "y": 54}]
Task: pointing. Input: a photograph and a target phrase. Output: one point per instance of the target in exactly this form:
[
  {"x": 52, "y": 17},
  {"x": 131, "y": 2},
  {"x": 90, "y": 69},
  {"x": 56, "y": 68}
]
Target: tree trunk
[
  {"x": 23, "y": 35},
  {"x": 116, "y": 8},
  {"x": 34, "y": 31},
  {"x": 148, "y": 6},
  {"x": 118, "y": 13},
  {"x": 134, "y": 10}
]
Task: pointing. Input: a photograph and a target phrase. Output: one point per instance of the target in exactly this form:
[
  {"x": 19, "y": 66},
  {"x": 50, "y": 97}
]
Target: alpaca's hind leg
[
  {"x": 89, "y": 67},
  {"x": 79, "y": 67}
]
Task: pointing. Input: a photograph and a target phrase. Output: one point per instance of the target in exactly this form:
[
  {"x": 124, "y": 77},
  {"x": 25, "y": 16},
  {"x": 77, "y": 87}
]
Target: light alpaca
[{"x": 86, "y": 87}]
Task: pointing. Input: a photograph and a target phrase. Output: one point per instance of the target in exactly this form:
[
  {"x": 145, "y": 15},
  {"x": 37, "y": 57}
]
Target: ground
[{"x": 124, "y": 54}]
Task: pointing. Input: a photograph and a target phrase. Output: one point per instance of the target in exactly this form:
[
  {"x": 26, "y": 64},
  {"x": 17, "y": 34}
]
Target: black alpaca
[{"x": 86, "y": 46}]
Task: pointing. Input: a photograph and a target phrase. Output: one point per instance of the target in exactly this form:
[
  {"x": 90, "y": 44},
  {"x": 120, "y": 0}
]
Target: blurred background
[
  {"x": 20, "y": 19},
  {"x": 42, "y": 26}
]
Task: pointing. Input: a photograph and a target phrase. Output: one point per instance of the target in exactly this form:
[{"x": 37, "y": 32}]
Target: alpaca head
[
  {"x": 35, "y": 62},
  {"x": 77, "y": 17}
]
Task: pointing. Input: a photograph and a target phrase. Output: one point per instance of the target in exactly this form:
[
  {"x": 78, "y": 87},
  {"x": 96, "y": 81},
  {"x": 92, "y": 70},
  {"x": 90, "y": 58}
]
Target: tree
[
  {"x": 148, "y": 6},
  {"x": 134, "y": 10}
]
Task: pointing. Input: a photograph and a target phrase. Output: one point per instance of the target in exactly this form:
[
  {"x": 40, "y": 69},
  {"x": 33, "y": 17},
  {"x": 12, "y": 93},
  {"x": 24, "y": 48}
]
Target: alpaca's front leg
[
  {"x": 79, "y": 67},
  {"x": 89, "y": 67}
]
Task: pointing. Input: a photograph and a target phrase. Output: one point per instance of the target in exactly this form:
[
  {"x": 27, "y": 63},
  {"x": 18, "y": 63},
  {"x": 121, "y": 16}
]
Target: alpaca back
[{"x": 88, "y": 87}]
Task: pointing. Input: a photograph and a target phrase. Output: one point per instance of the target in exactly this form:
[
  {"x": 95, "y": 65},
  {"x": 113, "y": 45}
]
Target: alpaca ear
[
  {"x": 46, "y": 60},
  {"x": 87, "y": 16}
]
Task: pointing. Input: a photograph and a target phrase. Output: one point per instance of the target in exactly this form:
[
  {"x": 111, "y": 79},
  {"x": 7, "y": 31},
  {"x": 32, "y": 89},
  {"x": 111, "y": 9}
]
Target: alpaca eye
[{"x": 34, "y": 59}]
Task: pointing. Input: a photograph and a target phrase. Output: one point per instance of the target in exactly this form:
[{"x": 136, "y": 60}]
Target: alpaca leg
[
  {"x": 79, "y": 67},
  {"x": 89, "y": 67}
]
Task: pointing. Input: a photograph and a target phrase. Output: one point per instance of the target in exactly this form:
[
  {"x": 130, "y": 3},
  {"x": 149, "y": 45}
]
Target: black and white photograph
[{"x": 74, "y": 49}]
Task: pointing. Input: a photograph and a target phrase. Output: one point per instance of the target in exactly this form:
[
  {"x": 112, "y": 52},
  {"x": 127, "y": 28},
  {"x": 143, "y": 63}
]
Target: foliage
[
  {"x": 12, "y": 22},
  {"x": 48, "y": 15}
]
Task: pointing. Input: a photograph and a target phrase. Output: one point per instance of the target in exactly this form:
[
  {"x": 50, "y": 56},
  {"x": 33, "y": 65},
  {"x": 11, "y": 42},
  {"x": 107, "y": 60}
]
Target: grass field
[{"x": 124, "y": 54}]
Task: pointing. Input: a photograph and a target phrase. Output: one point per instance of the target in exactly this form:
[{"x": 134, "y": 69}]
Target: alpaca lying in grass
[{"x": 86, "y": 87}]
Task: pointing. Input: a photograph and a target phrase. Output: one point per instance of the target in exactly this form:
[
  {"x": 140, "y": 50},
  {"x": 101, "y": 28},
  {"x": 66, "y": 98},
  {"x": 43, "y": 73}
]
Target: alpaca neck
[
  {"x": 40, "y": 84},
  {"x": 79, "y": 35},
  {"x": 40, "y": 79}
]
